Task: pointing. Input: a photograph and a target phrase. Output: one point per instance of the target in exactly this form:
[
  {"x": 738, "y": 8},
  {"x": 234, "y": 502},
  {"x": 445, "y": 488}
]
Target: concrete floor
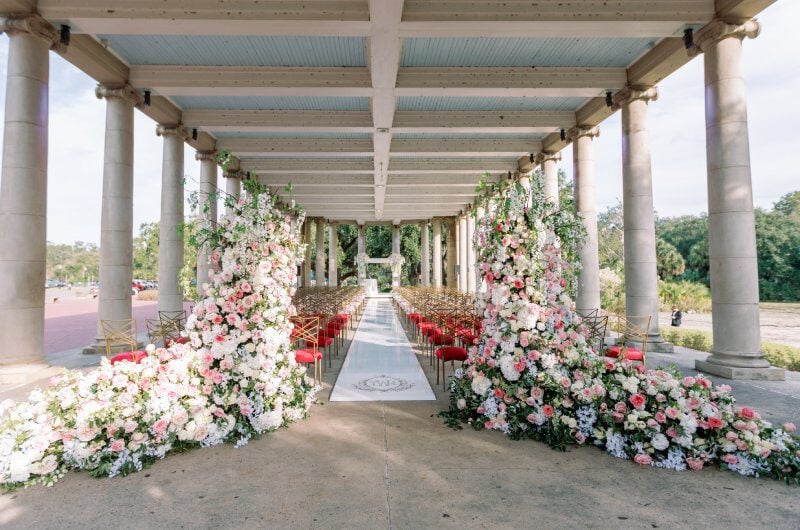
[{"x": 395, "y": 465}]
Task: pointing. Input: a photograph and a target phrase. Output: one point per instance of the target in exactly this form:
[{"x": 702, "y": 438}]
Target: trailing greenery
[{"x": 777, "y": 354}]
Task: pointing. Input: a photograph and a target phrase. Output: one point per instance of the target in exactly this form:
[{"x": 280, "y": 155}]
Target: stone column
[
  {"x": 437, "y": 252},
  {"x": 583, "y": 157},
  {"x": 425, "y": 254},
  {"x": 480, "y": 212},
  {"x": 23, "y": 192},
  {"x": 361, "y": 254},
  {"x": 170, "y": 237},
  {"x": 208, "y": 211},
  {"x": 736, "y": 351},
  {"x": 307, "y": 252},
  {"x": 116, "y": 225},
  {"x": 463, "y": 242},
  {"x": 233, "y": 186},
  {"x": 395, "y": 252},
  {"x": 319, "y": 270},
  {"x": 470, "y": 244},
  {"x": 641, "y": 275},
  {"x": 451, "y": 253},
  {"x": 333, "y": 245},
  {"x": 549, "y": 163}
]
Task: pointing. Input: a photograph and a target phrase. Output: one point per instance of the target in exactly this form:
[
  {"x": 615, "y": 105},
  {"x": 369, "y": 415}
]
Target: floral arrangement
[
  {"x": 234, "y": 379},
  {"x": 533, "y": 375}
]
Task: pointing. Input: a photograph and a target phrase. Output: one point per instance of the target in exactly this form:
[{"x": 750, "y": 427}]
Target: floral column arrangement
[
  {"x": 234, "y": 377},
  {"x": 361, "y": 268},
  {"x": 533, "y": 374},
  {"x": 396, "y": 261}
]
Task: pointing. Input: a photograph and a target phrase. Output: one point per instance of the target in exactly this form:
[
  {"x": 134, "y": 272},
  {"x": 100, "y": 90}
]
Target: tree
[
  {"x": 789, "y": 205},
  {"x": 670, "y": 263},
  {"x": 610, "y": 233},
  {"x": 145, "y": 252}
]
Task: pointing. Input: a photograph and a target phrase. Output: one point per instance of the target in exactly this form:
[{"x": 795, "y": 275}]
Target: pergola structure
[{"x": 381, "y": 111}]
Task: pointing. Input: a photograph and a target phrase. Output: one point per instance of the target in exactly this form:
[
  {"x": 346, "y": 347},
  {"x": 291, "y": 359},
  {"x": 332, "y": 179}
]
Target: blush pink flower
[
  {"x": 643, "y": 459},
  {"x": 695, "y": 464},
  {"x": 730, "y": 459},
  {"x": 638, "y": 401},
  {"x": 548, "y": 411},
  {"x": 117, "y": 445}
]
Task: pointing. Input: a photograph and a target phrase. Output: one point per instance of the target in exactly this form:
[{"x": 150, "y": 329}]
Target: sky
[{"x": 676, "y": 122}]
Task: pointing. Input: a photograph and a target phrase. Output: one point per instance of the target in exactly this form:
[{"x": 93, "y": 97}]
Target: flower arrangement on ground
[
  {"x": 533, "y": 375},
  {"x": 235, "y": 378}
]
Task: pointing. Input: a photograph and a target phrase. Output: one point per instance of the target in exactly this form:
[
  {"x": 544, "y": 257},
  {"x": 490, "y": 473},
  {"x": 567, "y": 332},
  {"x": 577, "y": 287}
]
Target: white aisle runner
[{"x": 380, "y": 365}]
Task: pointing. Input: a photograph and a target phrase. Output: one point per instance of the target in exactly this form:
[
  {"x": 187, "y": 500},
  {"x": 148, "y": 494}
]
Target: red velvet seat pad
[
  {"x": 129, "y": 356},
  {"x": 180, "y": 340},
  {"x": 451, "y": 353},
  {"x": 307, "y": 355},
  {"x": 632, "y": 354}
]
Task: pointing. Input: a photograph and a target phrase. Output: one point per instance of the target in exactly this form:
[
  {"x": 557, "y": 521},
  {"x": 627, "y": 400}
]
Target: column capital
[
  {"x": 591, "y": 131},
  {"x": 719, "y": 29},
  {"x": 173, "y": 130},
  {"x": 630, "y": 94},
  {"x": 235, "y": 174},
  {"x": 33, "y": 24},
  {"x": 205, "y": 155},
  {"x": 126, "y": 92},
  {"x": 547, "y": 156}
]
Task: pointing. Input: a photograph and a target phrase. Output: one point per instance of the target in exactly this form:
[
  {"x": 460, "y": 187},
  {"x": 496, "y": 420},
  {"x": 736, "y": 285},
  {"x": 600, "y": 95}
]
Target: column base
[
  {"x": 769, "y": 373},
  {"x": 24, "y": 373},
  {"x": 659, "y": 345}
]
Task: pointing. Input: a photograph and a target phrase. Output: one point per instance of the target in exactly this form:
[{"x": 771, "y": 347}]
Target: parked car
[{"x": 136, "y": 287}]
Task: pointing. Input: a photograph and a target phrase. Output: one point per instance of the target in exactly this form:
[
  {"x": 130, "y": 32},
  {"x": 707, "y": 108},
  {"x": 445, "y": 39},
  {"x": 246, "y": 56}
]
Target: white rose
[
  {"x": 508, "y": 369},
  {"x": 480, "y": 384}
]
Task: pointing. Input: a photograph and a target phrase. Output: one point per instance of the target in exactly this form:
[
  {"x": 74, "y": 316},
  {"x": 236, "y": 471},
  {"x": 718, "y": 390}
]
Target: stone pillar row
[
  {"x": 462, "y": 253},
  {"x": 333, "y": 245},
  {"x": 319, "y": 269}
]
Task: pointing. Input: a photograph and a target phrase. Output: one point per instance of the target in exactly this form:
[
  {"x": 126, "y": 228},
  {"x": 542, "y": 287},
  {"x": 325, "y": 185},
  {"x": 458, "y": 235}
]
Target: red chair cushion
[
  {"x": 451, "y": 353},
  {"x": 425, "y": 325},
  {"x": 469, "y": 338},
  {"x": 343, "y": 317},
  {"x": 180, "y": 340},
  {"x": 441, "y": 339},
  {"x": 324, "y": 341},
  {"x": 129, "y": 356},
  {"x": 414, "y": 317},
  {"x": 307, "y": 355},
  {"x": 632, "y": 354}
]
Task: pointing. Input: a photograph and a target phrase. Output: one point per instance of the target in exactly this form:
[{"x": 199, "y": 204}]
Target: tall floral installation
[
  {"x": 235, "y": 378},
  {"x": 533, "y": 376}
]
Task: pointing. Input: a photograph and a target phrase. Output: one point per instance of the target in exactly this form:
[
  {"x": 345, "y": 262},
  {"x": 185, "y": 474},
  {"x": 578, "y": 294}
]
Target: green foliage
[
  {"x": 610, "y": 238},
  {"x": 688, "y": 296},
  {"x": 79, "y": 262},
  {"x": 670, "y": 263},
  {"x": 777, "y": 354},
  {"x": 145, "y": 252},
  {"x": 612, "y": 291},
  {"x": 689, "y": 235},
  {"x": 778, "y": 244}
]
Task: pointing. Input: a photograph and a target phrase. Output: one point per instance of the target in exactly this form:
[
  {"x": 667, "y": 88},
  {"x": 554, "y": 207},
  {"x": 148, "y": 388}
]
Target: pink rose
[
  {"x": 548, "y": 411},
  {"x": 688, "y": 381},
  {"x": 715, "y": 423},
  {"x": 621, "y": 407},
  {"x": 672, "y": 413},
  {"x": 638, "y": 401},
  {"x": 117, "y": 445},
  {"x": 660, "y": 417},
  {"x": 643, "y": 459},
  {"x": 748, "y": 413},
  {"x": 730, "y": 459},
  {"x": 160, "y": 426},
  {"x": 789, "y": 427},
  {"x": 695, "y": 464}
]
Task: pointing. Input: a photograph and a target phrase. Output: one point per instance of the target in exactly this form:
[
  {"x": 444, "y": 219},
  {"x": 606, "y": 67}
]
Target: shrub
[
  {"x": 688, "y": 296},
  {"x": 150, "y": 295},
  {"x": 781, "y": 355}
]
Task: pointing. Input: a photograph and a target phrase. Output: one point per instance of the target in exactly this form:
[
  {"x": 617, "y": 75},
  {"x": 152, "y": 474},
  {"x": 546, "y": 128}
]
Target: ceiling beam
[
  {"x": 350, "y": 18},
  {"x": 307, "y": 166},
  {"x": 464, "y": 147},
  {"x": 320, "y": 147},
  {"x": 404, "y": 121},
  {"x": 463, "y": 165},
  {"x": 315, "y": 181},
  {"x": 508, "y": 82},
  {"x": 383, "y": 55},
  {"x": 178, "y": 80},
  {"x": 278, "y": 120}
]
